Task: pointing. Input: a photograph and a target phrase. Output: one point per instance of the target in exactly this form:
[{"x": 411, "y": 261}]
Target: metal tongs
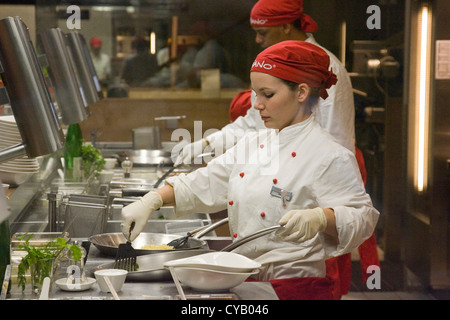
[
  {"x": 251, "y": 237},
  {"x": 199, "y": 232},
  {"x": 164, "y": 176},
  {"x": 177, "y": 243}
]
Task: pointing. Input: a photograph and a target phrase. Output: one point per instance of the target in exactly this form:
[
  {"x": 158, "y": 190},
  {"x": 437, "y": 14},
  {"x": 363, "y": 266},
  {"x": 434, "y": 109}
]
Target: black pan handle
[{"x": 135, "y": 192}]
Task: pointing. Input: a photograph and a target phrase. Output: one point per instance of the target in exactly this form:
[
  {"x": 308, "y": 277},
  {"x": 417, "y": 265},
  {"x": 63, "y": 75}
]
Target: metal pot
[{"x": 108, "y": 243}]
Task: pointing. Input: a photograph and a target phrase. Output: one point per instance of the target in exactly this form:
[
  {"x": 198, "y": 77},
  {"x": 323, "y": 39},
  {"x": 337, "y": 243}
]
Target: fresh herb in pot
[
  {"x": 41, "y": 258},
  {"x": 92, "y": 160}
]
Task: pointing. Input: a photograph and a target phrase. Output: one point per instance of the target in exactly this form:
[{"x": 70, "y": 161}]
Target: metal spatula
[{"x": 125, "y": 257}]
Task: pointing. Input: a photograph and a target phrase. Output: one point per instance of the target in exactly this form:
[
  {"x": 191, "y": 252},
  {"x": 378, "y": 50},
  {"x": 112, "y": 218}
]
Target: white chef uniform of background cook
[
  {"x": 336, "y": 114},
  {"x": 318, "y": 171}
]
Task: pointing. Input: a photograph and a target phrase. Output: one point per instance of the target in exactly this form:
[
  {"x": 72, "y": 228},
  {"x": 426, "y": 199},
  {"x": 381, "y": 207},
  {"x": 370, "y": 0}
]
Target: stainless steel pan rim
[{"x": 108, "y": 243}]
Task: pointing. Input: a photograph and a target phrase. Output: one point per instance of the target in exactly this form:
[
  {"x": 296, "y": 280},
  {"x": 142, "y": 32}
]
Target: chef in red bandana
[
  {"x": 293, "y": 174},
  {"x": 275, "y": 21}
]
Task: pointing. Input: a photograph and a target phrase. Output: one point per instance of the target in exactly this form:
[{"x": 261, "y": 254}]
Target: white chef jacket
[
  {"x": 336, "y": 114},
  {"x": 102, "y": 65},
  {"x": 302, "y": 159}
]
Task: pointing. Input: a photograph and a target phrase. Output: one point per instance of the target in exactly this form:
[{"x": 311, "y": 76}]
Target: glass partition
[{"x": 160, "y": 44}]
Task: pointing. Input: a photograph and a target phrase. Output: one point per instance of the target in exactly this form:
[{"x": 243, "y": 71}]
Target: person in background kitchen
[
  {"x": 275, "y": 21},
  {"x": 210, "y": 55},
  {"x": 101, "y": 61},
  {"x": 141, "y": 65},
  {"x": 293, "y": 174}
]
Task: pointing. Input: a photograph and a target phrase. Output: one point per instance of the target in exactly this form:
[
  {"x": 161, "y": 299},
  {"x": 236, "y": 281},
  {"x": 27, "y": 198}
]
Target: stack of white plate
[
  {"x": 214, "y": 271},
  {"x": 16, "y": 171}
]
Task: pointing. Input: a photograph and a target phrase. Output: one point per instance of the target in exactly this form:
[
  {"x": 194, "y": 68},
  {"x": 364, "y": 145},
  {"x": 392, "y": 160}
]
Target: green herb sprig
[
  {"x": 92, "y": 159},
  {"x": 41, "y": 258}
]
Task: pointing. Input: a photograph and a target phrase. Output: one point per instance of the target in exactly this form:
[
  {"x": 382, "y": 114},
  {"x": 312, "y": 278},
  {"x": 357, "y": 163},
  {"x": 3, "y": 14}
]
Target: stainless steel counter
[
  {"x": 30, "y": 212},
  {"x": 164, "y": 290}
]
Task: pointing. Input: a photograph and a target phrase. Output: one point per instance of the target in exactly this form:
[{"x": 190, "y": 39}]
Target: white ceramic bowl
[
  {"x": 110, "y": 163},
  {"x": 5, "y": 187},
  {"x": 221, "y": 261},
  {"x": 105, "y": 176},
  {"x": 210, "y": 280},
  {"x": 117, "y": 277}
]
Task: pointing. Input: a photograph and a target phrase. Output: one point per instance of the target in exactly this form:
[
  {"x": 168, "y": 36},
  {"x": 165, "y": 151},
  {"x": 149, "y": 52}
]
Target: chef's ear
[
  {"x": 287, "y": 28},
  {"x": 303, "y": 92}
]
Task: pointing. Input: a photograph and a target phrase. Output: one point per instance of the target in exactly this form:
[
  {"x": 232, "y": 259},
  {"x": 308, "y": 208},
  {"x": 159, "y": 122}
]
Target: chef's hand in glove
[
  {"x": 302, "y": 225},
  {"x": 135, "y": 215},
  {"x": 190, "y": 151}
]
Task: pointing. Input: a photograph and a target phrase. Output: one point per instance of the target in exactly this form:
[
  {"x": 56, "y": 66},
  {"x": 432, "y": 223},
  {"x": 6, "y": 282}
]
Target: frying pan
[
  {"x": 108, "y": 243},
  {"x": 151, "y": 266}
]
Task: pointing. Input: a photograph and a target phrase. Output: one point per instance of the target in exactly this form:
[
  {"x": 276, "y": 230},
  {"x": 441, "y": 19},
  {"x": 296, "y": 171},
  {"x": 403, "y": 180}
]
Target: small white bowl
[
  {"x": 105, "y": 176},
  {"x": 117, "y": 277},
  {"x": 110, "y": 163},
  {"x": 5, "y": 187}
]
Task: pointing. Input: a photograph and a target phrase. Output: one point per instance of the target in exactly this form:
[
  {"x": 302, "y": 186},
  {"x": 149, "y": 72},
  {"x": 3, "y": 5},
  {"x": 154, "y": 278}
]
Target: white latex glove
[
  {"x": 135, "y": 215},
  {"x": 190, "y": 151},
  {"x": 302, "y": 225}
]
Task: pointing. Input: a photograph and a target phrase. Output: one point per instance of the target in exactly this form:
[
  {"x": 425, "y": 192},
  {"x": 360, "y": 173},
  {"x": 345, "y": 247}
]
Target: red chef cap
[
  {"x": 96, "y": 42},
  {"x": 269, "y": 13},
  {"x": 299, "y": 62},
  {"x": 240, "y": 104}
]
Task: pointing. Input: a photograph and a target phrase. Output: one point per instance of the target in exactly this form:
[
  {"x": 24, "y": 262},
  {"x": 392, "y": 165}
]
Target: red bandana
[
  {"x": 299, "y": 62},
  {"x": 269, "y": 13},
  {"x": 240, "y": 104}
]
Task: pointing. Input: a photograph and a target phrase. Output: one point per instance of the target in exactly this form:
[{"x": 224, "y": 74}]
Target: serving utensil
[
  {"x": 126, "y": 255},
  {"x": 250, "y": 237},
  {"x": 111, "y": 287},
  {"x": 45, "y": 289},
  {"x": 199, "y": 232},
  {"x": 177, "y": 243},
  {"x": 163, "y": 177}
]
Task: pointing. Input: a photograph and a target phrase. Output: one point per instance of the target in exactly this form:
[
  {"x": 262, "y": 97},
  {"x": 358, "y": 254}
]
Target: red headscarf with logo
[
  {"x": 299, "y": 62},
  {"x": 269, "y": 13}
]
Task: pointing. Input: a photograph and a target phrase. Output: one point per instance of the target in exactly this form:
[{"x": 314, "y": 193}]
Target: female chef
[{"x": 293, "y": 174}]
